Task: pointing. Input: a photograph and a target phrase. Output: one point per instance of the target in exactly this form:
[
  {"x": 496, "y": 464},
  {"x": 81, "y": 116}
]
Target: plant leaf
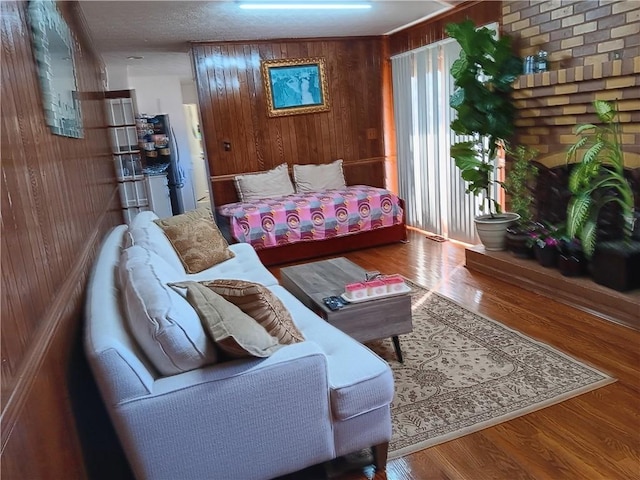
[
  {"x": 459, "y": 66},
  {"x": 457, "y": 98},
  {"x": 605, "y": 111},
  {"x": 577, "y": 213},
  {"x": 588, "y": 237},
  {"x": 583, "y": 127},
  {"x": 591, "y": 155}
]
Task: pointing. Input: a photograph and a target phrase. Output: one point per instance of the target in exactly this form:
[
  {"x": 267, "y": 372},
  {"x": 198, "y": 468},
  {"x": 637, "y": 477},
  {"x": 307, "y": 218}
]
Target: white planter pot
[{"x": 492, "y": 229}]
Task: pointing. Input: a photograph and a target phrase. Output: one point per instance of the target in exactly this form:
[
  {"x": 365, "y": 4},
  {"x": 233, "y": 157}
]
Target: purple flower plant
[{"x": 546, "y": 236}]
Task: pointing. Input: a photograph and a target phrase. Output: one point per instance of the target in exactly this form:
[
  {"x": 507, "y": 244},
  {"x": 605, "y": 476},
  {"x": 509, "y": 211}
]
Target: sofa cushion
[
  {"x": 261, "y": 304},
  {"x": 235, "y": 332},
  {"x": 359, "y": 380},
  {"x": 150, "y": 236},
  {"x": 164, "y": 324},
  {"x": 143, "y": 219},
  {"x": 269, "y": 184},
  {"x": 315, "y": 178}
]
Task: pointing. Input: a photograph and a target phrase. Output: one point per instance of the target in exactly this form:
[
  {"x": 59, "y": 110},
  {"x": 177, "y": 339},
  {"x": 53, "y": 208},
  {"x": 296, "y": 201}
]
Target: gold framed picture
[{"x": 295, "y": 86}]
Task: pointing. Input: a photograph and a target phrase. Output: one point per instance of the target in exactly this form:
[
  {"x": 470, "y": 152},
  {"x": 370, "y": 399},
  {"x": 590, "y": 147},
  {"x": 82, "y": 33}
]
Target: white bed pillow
[
  {"x": 313, "y": 178},
  {"x": 270, "y": 184}
]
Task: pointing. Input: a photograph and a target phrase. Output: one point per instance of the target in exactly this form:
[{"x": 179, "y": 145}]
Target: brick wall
[
  {"x": 594, "y": 53},
  {"x": 575, "y": 33}
]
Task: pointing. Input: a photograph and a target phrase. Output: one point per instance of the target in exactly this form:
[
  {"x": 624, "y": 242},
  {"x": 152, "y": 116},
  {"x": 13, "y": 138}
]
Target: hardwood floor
[{"x": 593, "y": 436}]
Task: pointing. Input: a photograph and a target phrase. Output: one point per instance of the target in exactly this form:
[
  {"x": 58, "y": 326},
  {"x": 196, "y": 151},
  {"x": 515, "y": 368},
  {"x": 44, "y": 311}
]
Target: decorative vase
[
  {"x": 492, "y": 228},
  {"x": 546, "y": 256}
]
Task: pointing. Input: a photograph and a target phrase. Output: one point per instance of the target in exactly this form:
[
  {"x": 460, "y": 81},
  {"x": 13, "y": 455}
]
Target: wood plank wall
[
  {"x": 58, "y": 199},
  {"x": 432, "y": 30},
  {"x": 233, "y": 109}
]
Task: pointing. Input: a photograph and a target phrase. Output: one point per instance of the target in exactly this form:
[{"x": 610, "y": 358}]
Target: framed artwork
[
  {"x": 54, "y": 49},
  {"x": 295, "y": 86}
]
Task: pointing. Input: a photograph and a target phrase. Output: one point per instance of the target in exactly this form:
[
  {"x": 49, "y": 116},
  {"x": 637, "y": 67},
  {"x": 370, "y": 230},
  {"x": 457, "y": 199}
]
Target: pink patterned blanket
[{"x": 312, "y": 216}]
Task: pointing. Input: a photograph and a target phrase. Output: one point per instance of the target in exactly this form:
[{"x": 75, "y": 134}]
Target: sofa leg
[{"x": 380, "y": 455}]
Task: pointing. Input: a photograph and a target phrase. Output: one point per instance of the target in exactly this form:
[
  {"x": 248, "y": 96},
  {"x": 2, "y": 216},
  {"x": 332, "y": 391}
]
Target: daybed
[
  {"x": 316, "y": 215},
  {"x": 182, "y": 408}
]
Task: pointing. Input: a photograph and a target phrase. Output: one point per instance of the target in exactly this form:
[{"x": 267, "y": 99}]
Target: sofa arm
[{"x": 244, "y": 420}]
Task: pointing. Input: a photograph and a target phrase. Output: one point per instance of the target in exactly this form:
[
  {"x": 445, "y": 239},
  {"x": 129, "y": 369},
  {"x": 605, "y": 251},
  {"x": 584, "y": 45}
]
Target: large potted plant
[
  {"x": 483, "y": 77},
  {"x": 519, "y": 185},
  {"x": 598, "y": 179}
]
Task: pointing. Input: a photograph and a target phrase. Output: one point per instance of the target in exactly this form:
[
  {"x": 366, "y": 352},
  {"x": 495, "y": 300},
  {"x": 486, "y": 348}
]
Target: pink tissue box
[
  {"x": 376, "y": 287},
  {"x": 355, "y": 291},
  {"x": 395, "y": 283}
]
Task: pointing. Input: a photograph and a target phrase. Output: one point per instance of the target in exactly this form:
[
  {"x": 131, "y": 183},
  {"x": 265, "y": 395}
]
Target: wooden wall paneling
[
  {"x": 274, "y": 150},
  {"x": 221, "y": 114},
  {"x": 366, "y": 172},
  {"x": 225, "y": 118},
  {"x": 19, "y": 182},
  {"x": 341, "y": 77},
  {"x": 314, "y": 122},
  {"x": 242, "y": 72},
  {"x": 334, "y": 124},
  {"x": 432, "y": 30},
  {"x": 233, "y": 106},
  {"x": 370, "y": 90},
  {"x": 237, "y": 98},
  {"x": 251, "y": 57},
  {"x": 59, "y": 197}
]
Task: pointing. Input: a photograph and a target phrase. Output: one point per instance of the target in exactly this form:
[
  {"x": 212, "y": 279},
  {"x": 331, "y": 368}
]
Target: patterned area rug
[{"x": 463, "y": 372}]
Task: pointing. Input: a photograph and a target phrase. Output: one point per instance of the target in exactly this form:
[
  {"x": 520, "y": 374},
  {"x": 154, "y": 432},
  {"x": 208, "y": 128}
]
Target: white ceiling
[{"x": 160, "y": 30}]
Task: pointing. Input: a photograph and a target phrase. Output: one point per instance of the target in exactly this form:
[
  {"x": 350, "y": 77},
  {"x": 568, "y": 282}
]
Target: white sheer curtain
[{"x": 428, "y": 179}]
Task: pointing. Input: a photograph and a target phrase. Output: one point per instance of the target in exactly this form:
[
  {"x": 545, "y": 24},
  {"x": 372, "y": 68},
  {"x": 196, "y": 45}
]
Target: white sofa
[{"x": 251, "y": 418}]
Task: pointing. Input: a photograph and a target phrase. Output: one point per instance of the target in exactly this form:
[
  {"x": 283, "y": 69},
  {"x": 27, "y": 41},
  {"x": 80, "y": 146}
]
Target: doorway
[{"x": 199, "y": 165}]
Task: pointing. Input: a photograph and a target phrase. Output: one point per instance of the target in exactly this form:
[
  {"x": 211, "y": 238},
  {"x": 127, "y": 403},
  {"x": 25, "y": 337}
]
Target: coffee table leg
[{"x": 396, "y": 346}]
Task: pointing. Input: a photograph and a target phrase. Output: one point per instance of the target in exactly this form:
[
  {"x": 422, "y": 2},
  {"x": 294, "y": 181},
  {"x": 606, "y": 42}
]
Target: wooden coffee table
[{"x": 364, "y": 321}]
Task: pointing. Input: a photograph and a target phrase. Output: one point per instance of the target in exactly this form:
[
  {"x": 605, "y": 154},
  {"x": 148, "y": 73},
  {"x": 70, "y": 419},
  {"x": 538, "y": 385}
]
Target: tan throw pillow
[
  {"x": 186, "y": 217},
  {"x": 235, "y": 332},
  {"x": 262, "y": 304},
  {"x": 196, "y": 239}
]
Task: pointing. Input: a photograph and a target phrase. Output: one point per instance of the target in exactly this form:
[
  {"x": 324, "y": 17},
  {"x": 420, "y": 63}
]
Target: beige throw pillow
[
  {"x": 269, "y": 184},
  {"x": 196, "y": 239},
  {"x": 261, "y": 304},
  {"x": 186, "y": 217},
  {"x": 315, "y": 178},
  {"x": 232, "y": 330}
]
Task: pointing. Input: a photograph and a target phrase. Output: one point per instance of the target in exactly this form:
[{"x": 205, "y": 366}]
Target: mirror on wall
[{"x": 53, "y": 50}]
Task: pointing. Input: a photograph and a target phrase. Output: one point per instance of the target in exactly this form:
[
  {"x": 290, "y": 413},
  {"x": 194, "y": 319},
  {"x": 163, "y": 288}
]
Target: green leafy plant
[
  {"x": 598, "y": 178},
  {"x": 483, "y": 77},
  {"x": 518, "y": 183}
]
